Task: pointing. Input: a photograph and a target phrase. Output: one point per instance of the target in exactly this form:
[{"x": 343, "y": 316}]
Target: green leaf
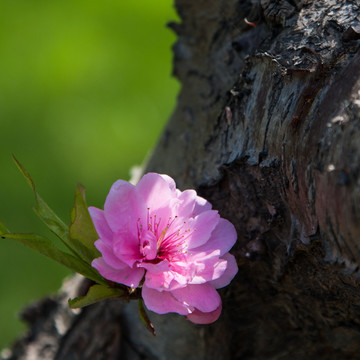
[
  {"x": 144, "y": 317},
  {"x": 45, "y": 247},
  {"x": 82, "y": 229},
  {"x": 47, "y": 215},
  {"x": 76, "y": 240},
  {"x": 3, "y": 229},
  {"x": 24, "y": 172},
  {"x": 95, "y": 294}
]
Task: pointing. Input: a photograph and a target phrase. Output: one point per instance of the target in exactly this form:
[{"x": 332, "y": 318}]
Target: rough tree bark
[{"x": 267, "y": 127}]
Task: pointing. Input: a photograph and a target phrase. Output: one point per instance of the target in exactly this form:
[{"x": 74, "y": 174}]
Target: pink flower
[{"x": 169, "y": 241}]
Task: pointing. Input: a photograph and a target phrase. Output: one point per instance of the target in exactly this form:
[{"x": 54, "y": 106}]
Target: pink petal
[
  {"x": 170, "y": 181},
  {"x": 180, "y": 273},
  {"x": 199, "y": 317},
  {"x": 209, "y": 269},
  {"x": 201, "y": 228},
  {"x": 223, "y": 238},
  {"x": 109, "y": 256},
  {"x": 187, "y": 203},
  {"x": 148, "y": 243},
  {"x": 126, "y": 248},
  {"x": 127, "y": 276},
  {"x": 228, "y": 275},
  {"x": 159, "y": 281},
  {"x": 158, "y": 268},
  {"x": 162, "y": 302},
  {"x": 167, "y": 280},
  {"x": 155, "y": 191},
  {"x": 123, "y": 207},
  {"x": 101, "y": 226},
  {"x": 201, "y": 205},
  {"x": 181, "y": 279},
  {"x": 203, "y": 297}
]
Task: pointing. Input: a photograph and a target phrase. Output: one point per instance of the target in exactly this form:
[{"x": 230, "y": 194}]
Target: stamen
[{"x": 169, "y": 244}]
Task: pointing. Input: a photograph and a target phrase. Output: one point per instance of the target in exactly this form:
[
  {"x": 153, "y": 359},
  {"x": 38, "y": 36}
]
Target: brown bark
[{"x": 267, "y": 128}]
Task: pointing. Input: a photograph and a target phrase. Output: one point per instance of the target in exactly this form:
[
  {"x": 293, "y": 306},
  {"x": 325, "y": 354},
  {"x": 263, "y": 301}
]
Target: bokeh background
[{"x": 85, "y": 90}]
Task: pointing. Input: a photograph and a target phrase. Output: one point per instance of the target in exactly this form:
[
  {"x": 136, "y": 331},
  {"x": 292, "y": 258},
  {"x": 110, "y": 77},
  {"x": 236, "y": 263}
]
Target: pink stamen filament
[{"x": 167, "y": 246}]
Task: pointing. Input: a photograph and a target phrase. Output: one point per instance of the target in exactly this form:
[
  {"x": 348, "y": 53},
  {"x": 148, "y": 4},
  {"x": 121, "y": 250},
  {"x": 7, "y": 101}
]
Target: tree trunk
[{"x": 267, "y": 128}]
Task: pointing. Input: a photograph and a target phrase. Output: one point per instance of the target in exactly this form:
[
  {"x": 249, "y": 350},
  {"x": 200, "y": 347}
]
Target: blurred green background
[{"x": 85, "y": 90}]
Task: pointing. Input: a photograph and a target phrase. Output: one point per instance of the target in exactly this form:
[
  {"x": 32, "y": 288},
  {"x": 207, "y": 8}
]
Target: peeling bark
[{"x": 267, "y": 127}]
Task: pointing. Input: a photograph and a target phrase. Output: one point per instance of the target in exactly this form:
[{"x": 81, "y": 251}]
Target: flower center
[{"x": 157, "y": 243}]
